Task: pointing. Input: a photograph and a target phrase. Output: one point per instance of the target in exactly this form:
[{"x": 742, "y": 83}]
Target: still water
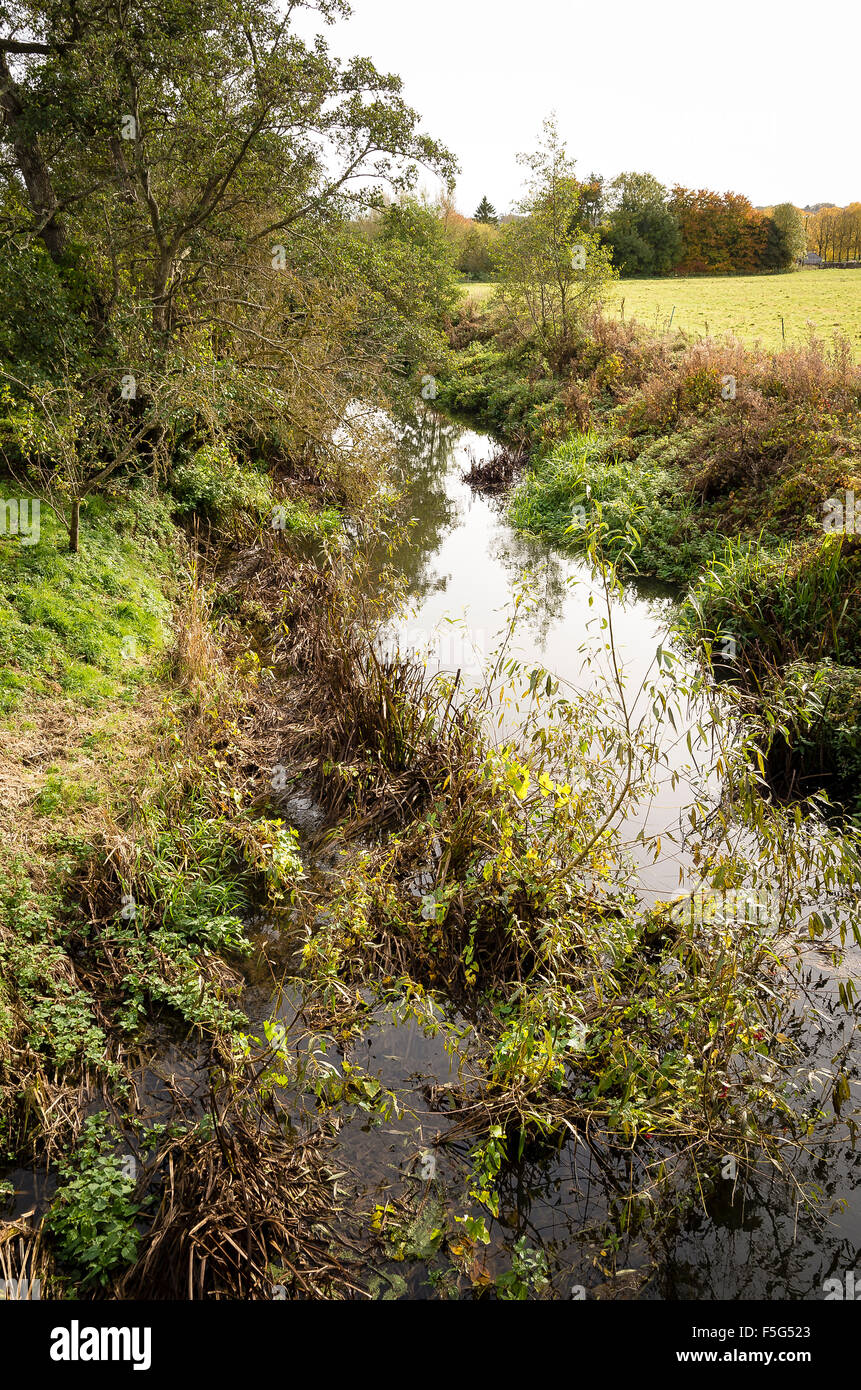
[{"x": 461, "y": 563}]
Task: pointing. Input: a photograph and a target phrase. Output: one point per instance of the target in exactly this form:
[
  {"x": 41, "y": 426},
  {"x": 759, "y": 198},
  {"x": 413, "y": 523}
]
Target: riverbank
[
  {"x": 724, "y": 471},
  {"x": 134, "y": 862},
  {"x": 474, "y": 889}
]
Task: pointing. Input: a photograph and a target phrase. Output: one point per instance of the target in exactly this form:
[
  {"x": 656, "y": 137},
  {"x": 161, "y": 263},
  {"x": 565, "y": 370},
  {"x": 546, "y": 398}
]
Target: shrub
[
  {"x": 214, "y": 484},
  {"x": 642, "y": 511},
  {"x": 826, "y": 746},
  {"x": 794, "y": 602}
]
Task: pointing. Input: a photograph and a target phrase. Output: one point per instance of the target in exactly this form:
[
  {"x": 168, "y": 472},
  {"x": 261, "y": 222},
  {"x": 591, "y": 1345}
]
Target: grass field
[
  {"x": 750, "y": 306},
  {"x": 476, "y": 289}
]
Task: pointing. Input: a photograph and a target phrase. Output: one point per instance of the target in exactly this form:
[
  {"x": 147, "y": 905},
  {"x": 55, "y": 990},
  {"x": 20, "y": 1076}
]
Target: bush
[
  {"x": 828, "y": 745},
  {"x": 214, "y": 484}
]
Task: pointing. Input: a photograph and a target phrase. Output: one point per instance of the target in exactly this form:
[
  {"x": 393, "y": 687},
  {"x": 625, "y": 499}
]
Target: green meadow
[{"x": 749, "y": 306}]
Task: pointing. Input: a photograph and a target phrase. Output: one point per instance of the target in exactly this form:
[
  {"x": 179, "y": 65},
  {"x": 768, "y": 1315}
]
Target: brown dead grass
[
  {"x": 53, "y": 738},
  {"x": 247, "y": 1213}
]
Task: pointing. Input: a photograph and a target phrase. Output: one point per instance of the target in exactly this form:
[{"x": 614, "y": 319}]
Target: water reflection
[{"x": 460, "y": 562}]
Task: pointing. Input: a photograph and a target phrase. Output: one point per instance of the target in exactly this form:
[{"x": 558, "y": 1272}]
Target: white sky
[{"x": 759, "y": 97}]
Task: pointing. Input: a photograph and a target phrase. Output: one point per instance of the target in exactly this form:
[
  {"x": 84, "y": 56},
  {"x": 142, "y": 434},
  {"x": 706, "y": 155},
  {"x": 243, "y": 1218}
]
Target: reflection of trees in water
[
  {"x": 754, "y": 1245},
  {"x": 424, "y": 512},
  {"x": 552, "y": 573},
  {"x": 425, "y": 454},
  {"x": 426, "y": 450},
  {"x": 759, "y": 1245},
  {"x": 546, "y": 573}
]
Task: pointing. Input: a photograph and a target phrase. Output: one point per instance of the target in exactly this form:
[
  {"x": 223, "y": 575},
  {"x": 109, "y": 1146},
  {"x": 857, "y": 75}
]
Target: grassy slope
[
  {"x": 81, "y": 641},
  {"x": 133, "y": 848},
  {"x": 83, "y": 626},
  {"x": 83, "y": 678}
]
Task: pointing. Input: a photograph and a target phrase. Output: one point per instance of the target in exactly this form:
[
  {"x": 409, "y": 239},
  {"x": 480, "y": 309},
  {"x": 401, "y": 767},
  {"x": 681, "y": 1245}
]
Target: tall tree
[
  {"x": 178, "y": 187},
  {"x": 194, "y": 131},
  {"x": 485, "y": 212},
  {"x": 789, "y": 239},
  {"x": 551, "y": 270},
  {"x": 642, "y": 228}
]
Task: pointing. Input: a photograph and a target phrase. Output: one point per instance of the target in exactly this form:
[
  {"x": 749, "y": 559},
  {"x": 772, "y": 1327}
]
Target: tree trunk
[
  {"x": 75, "y": 527},
  {"x": 31, "y": 163}
]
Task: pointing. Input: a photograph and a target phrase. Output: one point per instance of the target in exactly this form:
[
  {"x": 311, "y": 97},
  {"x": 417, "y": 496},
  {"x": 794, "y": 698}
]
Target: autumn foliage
[{"x": 721, "y": 233}]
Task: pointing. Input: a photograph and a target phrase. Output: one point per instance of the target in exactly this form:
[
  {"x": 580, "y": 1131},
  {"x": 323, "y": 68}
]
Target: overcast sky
[{"x": 760, "y": 98}]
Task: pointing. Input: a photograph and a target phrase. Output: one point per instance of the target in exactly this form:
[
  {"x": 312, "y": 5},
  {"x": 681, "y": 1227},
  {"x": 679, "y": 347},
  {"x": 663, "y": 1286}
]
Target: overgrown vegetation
[
  {"x": 710, "y": 465},
  {"x": 215, "y": 276},
  {"x": 501, "y": 885}
]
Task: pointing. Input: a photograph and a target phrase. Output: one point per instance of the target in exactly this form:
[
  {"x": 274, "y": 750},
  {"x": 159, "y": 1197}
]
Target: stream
[{"x": 461, "y": 561}]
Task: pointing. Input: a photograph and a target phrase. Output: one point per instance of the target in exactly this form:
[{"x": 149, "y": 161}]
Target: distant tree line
[
  {"x": 835, "y": 233},
  {"x": 650, "y": 230},
  {"x": 655, "y": 231}
]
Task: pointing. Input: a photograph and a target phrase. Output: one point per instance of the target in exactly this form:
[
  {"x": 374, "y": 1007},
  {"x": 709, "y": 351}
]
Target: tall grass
[
  {"x": 795, "y": 602},
  {"x": 642, "y": 515}
]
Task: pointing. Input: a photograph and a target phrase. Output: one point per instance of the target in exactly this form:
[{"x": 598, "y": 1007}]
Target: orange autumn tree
[{"x": 722, "y": 233}]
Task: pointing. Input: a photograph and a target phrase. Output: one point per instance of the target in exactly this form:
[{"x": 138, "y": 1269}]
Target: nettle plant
[{"x": 94, "y": 1220}]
